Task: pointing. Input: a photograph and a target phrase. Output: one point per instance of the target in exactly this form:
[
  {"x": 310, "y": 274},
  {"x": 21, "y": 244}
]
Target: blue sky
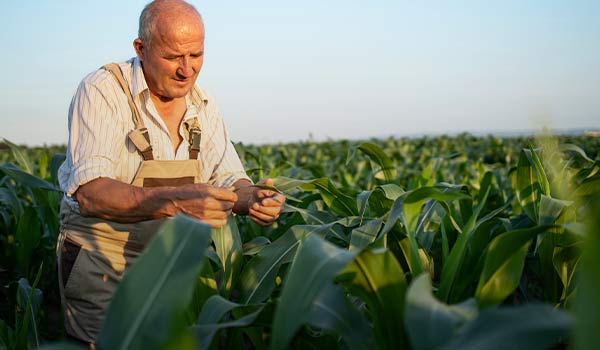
[{"x": 286, "y": 71}]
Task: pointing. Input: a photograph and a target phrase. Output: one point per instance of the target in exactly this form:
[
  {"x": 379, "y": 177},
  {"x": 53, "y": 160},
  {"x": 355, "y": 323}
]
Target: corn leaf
[
  {"x": 316, "y": 264},
  {"x": 156, "y": 289}
]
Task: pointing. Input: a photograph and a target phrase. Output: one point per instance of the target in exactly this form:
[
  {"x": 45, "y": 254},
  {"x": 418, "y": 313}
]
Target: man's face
[{"x": 173, "y": 59}]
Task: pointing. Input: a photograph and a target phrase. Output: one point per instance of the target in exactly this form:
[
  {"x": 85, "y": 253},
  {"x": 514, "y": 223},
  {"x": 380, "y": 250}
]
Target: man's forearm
[{"x": 117, "y": 201}]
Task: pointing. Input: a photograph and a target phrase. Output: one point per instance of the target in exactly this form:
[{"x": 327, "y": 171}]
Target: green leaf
[
  {"x": 366, "y": 234},
  {"x": 29, "y": 299},
  {"x": 523, "y": 327},
  {"x": 332, "y": 311},
  {"x": 429, "y": 322},
  {"x": 215, "y": 308},
  {"x": 228, "y": 245},
  {"x": 205, "y": 287},
  {"x": 454, "y": 262},
  {"x": 316, "y": 264},
  {"x": 540, "y": 172},
  {"x": 391, "y": 191},
  {"x": 20, "y": 156},
  {"x": 25, "y": 179},
  {"x": 9, "y": 198},
  {"x": 157, "y": 288},
  {"x": 340, "y": 203},
  {"x": 587, "y": 303},
  {"x": 255, "y": 245},
  {"x": 378, "y": 156},
  {"x": 258, "y": 276},
  {"x": 528, "y": 187},
  {"x": 551, "y": 209},
  {"x": 318, "y": 217},
  {"x": 412, "y": 206},
  {"x": 503, "y": 265},
  {"x": 28, "y": 236},
  {"x": 377, "y": 278}
]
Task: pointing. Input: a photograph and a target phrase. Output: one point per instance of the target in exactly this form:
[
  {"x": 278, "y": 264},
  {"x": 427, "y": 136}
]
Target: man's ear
[{"x": 138, "y": 46}]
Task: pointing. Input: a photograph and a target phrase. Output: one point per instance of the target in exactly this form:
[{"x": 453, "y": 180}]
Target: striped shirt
[{"x": 100, "y": 119}]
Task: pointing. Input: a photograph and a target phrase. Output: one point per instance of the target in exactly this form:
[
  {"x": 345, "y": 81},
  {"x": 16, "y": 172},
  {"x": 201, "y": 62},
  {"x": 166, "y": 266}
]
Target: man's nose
[{"x": 185, "y": 69}]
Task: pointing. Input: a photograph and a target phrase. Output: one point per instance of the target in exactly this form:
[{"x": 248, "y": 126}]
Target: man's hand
[
  {"x": 117, "y": 201},
  {"x": 211, "y": 205},
  {"x": 262, "y": 205}
]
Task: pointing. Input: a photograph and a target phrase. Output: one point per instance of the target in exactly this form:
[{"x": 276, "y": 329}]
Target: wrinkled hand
[
  {"x": 209, "y": 204},
  {"x": 264, "y": 206}
]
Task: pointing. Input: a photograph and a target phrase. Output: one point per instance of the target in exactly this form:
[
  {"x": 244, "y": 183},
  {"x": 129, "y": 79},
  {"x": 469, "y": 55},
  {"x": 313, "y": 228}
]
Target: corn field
[{"x": 430, "y": 243}]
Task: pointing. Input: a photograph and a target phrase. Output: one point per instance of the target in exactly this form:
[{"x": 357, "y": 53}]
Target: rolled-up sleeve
[{"x": 96, "y": 136}]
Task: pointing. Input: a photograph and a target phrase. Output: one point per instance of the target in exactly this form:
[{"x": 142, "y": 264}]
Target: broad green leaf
[
  {"x": 29, "y": 300},
  {"x": 413, "y": 204},
  {"x": 286, "y": 184},
  {"x": 566, "y": 261},
  {"x": 9, "y": 198},
  {"x": 503, "y": 265},
  {"x": 255, "y": 245},
  {"x": 590, "y": 187},
  {"x": 258, "y": 276},
  {"x": 340, "y": 203},
  {"x": 157, "y": 288},
  {"x": 429, "y": 322},
  {"x": 316, "y": 264},
  {"x": 558, "y": 212},
  {"x": 566, "y": 147},
  {"x": 42, "y": 164},
  {"x": 528, "y": 187},
  {"x": 228, "y": 245},
  {"x": 362, "y": 202},
  {"x": 551, "y": 209},
  {"x": 454, "y": 262},
  {"x": 391, "y": 191},
  {"x": 215, "y": 308},
  {"x": 28, "y": 235},
  {"x": 366, "y": 234},
  {"x": 378, "y": 156},
  {"x": 21, "y": 156},
  {"x": 587, "y": 304},
  {"x": 523, "y": 327},
  {"x": 377, "y": 278},
  {"x": 26, "y": 179},
  {"x": 332, "y": 311},
  {"x": 318, "y": 217},
  {"x": 205, "y": 287},
  {"x": 540, "y": 172},
  {"x": 415, "y": 199}
]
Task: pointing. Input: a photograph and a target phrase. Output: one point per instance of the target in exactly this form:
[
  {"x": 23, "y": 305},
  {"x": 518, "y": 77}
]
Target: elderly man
[{"x": 145, "y": 143}]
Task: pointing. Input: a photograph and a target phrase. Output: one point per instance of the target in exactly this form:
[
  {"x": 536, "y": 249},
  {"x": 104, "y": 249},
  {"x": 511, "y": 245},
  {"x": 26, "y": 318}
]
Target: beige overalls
[{"x": 93, "y": 254}]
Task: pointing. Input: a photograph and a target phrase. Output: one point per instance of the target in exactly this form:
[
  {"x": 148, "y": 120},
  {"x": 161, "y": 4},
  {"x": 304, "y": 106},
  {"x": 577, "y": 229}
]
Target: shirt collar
[{"x": 139, "y": 85}]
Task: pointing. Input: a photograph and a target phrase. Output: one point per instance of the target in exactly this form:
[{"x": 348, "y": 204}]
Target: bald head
[{"x": 165, "y": 13}]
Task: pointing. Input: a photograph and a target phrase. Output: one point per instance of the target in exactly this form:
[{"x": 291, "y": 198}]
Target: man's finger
[
  {"x": 266, "y": 211},
  {"x": 260, "y": 221},
  {"x": 215, "y": 204},
  {"x": 215, "y": 223},
  {"x": 222, "y": 194},
  {"x": 271, "y": 202}
]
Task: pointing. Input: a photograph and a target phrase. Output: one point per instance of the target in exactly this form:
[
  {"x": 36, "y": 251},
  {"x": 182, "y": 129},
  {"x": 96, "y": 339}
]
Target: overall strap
[
  {"x": 139, "y": 136},
  {"x": 194, "y": 132}
]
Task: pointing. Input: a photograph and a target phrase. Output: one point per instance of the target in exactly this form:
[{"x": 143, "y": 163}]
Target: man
[{"x": 145, "y": 143}]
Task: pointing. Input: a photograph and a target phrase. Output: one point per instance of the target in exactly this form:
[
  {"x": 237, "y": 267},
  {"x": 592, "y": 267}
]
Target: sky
[{"x": 284, "y": 71}]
